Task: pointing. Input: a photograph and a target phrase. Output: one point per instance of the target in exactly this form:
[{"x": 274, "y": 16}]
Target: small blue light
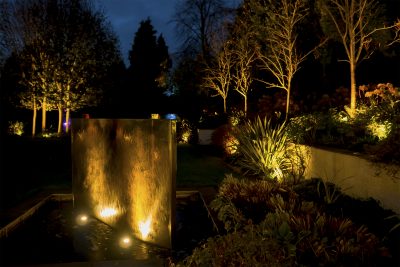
[
  {"x": 170, "y": 116},
  {"x": 65, "y": 123}
]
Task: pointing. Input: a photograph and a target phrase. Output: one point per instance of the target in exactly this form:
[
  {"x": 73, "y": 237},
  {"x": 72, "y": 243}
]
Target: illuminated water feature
[{"x": 124, "y": 175}]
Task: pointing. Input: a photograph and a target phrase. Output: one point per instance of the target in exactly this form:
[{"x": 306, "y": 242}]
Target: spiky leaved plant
[{"x": 263, "y": 148}]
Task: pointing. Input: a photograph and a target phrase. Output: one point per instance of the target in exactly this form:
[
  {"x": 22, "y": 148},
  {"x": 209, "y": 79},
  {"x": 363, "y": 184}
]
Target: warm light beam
[
  {"x": 144, "y": 228},
  {"x": 108, "y": 212}
]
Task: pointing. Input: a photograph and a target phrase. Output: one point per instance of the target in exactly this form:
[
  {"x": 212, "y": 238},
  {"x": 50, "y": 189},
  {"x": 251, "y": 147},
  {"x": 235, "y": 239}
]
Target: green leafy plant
[
  {"x": 186, "y": 132},
  {"x": 240, "y": 199},
  {"x": 263, "y": 149},
  {"x": 232, "y": 218},
  {"x": 224, "y": 140},
  {"x": 236, "y": 117},
  {"x": 249, "y": 247},
  {"x": 329, "y": 191},
  {"x": 302, "y": 129},
  {"x": 16, "y": 128},
  {"x": 397, "y": 225},
  {"x": 374, "y": 130}
]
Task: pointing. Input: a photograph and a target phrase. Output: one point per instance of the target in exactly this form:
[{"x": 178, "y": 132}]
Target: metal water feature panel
[{"x": 124, "y": 173}]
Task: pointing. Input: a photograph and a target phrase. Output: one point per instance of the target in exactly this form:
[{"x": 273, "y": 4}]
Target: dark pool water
[{"x": 52, "y": 235}]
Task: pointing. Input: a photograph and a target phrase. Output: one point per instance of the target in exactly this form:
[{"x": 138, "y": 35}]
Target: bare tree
[
  {"x": 218, "y": 77},
  {"x": 245, "y": 55},
  {"x": 197, "y": 22},
  {"x": 281, "y": 57},
  {"x": 200, "y": 26},
  {"x": 357, "y": 24}
]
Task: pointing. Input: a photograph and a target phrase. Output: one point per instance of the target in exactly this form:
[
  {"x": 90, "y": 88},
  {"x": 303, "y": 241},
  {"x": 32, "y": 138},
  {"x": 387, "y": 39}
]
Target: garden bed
[{"x": 311, "y": 223}]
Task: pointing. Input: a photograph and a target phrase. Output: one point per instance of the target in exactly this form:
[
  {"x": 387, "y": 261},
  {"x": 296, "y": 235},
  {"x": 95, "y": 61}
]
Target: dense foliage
[
  {"x": 61, "y": 56},
  {"x": 272, "y": 223},
  {"x": 375, "y": 129}
]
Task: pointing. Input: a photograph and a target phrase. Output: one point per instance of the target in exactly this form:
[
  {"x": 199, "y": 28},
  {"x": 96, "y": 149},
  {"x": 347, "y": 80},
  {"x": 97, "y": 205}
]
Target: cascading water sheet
[{"x": 124, "y": 174}]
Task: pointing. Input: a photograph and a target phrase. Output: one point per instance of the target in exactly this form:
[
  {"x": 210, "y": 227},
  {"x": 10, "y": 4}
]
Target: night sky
[{"x": 126, "y": 15}]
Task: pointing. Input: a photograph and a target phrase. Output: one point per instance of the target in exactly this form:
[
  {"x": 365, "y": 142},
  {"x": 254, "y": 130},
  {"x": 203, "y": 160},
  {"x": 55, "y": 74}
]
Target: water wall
[{"x": 124, "y": 175}]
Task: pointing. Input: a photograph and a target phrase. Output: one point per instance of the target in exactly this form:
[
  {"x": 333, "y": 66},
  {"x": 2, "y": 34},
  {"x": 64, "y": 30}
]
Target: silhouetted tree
[
  {"x": 198, "y": 22},
  {"x": 148, "y": 71}
]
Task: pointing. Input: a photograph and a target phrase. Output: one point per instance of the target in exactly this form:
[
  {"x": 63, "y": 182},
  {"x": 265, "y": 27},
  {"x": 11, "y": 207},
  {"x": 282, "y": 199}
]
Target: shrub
[
  {"x": 238, "y": 200},
  {"x": 374, "y": 130},
  {"x": 388, "y": 149},
  {"x": 302, "y": 129},
  {"x": 186, "y": 132},
  {"x": 263, "y": 149},
  {"x": 236, "y": 117},
  {"x": 16, "y": 128},
  {"x": 244, "y": 248},
  {"x": 224, "y": 140}
]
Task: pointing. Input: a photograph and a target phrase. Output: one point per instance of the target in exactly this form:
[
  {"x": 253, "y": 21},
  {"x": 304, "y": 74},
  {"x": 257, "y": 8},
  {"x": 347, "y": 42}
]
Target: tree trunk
[
  {"x": 353, "y": 94},
  {"x": 287, "y": 103},
  {"x": 245, "y": 105},
  {"x": 224, "y": 105},
  {"x": 44, "y": 115},
  {"x": 353, "y": 62},
  {"x": 67, "y": 120},
  {"x": 59, "y": 129},
  {"x": 34, "y": 117}
]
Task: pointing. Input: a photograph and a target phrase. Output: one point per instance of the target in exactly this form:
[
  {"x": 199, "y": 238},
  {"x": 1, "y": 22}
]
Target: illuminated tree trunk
[
  {"x": 282, "y": 58},
  {"x": 44, "y": 114},
  {"x": 245, "y": 104},
  {"x": 34, "y": 117},
  {"x": 68, "y": 106},
  {"x": 59, "y": 120},
  {"x": 67, "y": 114},
  {"x": 356, "y": 24},
  {"x": 287, "y": 103},
  {"x": 352, "y": 62},
  {"x": 353, "y": 95}
]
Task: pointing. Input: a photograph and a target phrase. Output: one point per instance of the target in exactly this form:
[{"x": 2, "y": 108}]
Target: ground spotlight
[
  {"x": 125, "y": 242},
  {"x": 82, "y": 219}
]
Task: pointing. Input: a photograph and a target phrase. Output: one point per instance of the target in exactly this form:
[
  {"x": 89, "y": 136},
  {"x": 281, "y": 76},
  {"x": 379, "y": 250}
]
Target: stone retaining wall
[{"x": 356, "y": 176}]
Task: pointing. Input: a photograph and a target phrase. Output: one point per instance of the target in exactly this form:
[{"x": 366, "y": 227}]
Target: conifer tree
[{"x": 148, "y": 70}]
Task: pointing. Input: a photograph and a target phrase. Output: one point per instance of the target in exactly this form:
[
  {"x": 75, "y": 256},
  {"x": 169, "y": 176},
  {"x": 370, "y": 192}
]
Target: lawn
[{"x": 199, "y": 165}]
